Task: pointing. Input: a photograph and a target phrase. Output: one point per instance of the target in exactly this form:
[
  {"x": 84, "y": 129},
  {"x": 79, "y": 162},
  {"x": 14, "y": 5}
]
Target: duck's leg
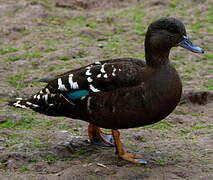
[
  {"x": 96, "y": 136},
  {"x": 121, "y": 152}
]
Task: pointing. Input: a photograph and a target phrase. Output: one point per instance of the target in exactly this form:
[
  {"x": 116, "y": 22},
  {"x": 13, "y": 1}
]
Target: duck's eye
[{"x": 172, "y": 30}]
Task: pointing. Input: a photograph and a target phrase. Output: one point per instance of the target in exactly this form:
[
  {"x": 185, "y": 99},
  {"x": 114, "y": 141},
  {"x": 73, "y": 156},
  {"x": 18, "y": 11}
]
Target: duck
[{"x": 119, "y": 93}]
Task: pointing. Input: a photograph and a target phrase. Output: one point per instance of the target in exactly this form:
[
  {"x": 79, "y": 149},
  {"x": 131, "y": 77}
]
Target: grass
[
  {"x": 209, "y": 87},
  {"x": 142, "y": 139},
  {"x": 161, "y": 125},
  {"x": 201, "y": 126},
  {"x": 8, "y": 50},
  {"x": 27, "y": 56},
  {"x": 24, "y": 124},
  {"x": 50, "y": 49},
  {"x": 63, "y": 58},
  {"x": 24, "y": 169},
  {"x": 17, "y": 81}
]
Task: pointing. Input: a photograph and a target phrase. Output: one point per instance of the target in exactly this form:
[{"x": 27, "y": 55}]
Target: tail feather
[
  {"x": 20, "y": 103},
  {"x": 44, "y": 102}
]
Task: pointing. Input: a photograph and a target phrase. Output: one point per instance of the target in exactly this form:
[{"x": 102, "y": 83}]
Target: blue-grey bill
[{"x": 187, "y": 44}]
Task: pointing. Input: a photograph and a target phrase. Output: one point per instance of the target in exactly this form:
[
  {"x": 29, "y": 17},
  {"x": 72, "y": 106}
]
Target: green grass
[
  {"x": 8, "y": 50},
  {"x": 57, "y": 66},
  {"x": 27, "y": 56},
  {"x": 18, "y": 81},
  {"x": 173, "y": 3},
  {"x": 27, "y": 121},
  {"x": 64, "y": 58},
  {"x": 14, "y": 136},
  {"x": 14, "y": 58},
  {"x": 51, "y": 159},
  {"x": 201, "y": 126},
  {"x": 138, "y": 14},
  {"x": 37, "y": 144},
  {"x": 142, "y": 139},
  {"x": 49, "y": 49},
  {"x": 209, "y": 87},
  {"x": 161, "y": 162},
  {"x": 11, "y": 143},
  {"x": 184, "y": 131},
  {"x": 24, "y": 169},
  {"x": 64, "y": 127},
  {"x": 10, "y": 124},
  {"x": 161, "y": 125}
]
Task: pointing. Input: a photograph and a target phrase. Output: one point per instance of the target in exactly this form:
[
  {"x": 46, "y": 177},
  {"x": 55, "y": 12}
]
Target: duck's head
[{"x": 164, "y": 34}]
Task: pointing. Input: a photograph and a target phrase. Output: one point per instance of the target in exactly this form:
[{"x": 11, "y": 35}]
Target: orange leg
[
  {"x": 96, "y": 136},
  {"x": 122, "y": 154}
]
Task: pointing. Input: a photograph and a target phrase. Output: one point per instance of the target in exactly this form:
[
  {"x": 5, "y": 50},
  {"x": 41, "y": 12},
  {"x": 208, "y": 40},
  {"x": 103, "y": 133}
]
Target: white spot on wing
[
  {"x": 93, "y": 88},
  {"x": 83, "y": 97},
  {"x": 61, "y": 86},
  {"x": 88, "y": 73},
  {"x": 97, "y": 62},
  {"x": 105, "y": 76},
  {"x": 18, "y": 98},
  {"x": 102, "y": 68},
  {"x": 39, "y": 96},
  {"x": 47, "y": 90},
  {"x": 99, "y": 75},
  {"x": 28, "y": 103},
  {"x": 89, "y": 79},
  {"x": 73, "y": 85},
  {"x": 35, "y": 105},
  {"x": 88, "y": 67},
  {"x": 19, "y": 105},
  {"x": 113, "y": 72},
  {"x": 35, "y": 96},
  {"x": 31, "y": 104},
  {"x": 45, "y": 97}
]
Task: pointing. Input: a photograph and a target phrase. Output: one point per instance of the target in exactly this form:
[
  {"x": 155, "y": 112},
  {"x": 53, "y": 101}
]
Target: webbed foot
[
  {"x": 96, "y": 136},
  {"x": 122, "y": 154}
]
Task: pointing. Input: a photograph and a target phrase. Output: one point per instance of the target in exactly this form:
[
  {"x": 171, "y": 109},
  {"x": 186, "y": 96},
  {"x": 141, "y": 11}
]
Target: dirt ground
[{"x": 43, "y": 38}]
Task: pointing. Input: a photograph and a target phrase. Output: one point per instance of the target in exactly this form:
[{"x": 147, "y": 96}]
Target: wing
[
  {"x": 118, "y": 60},
  {"x": 97, "y": 77},
  {"x": 62, "y": 93}
]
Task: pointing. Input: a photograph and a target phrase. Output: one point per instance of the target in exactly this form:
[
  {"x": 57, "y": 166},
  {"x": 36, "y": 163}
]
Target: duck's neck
[{"x": 155, "y": 55}]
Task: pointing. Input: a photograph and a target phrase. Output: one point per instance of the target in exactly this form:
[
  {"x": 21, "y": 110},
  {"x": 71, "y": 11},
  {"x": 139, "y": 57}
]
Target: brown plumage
[{"x": 119, "y": 93}]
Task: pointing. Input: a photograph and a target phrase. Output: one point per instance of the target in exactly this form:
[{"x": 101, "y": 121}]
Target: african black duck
[{"x": 119, "y": 93}]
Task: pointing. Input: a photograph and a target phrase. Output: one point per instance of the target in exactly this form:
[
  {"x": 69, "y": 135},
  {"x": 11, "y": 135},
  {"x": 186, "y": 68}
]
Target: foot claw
[{"x": 142, "y": 161}]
